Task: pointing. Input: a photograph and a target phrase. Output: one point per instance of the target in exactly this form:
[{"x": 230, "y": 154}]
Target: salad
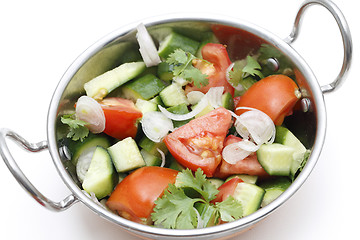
[{"x": 184, "y": 135}]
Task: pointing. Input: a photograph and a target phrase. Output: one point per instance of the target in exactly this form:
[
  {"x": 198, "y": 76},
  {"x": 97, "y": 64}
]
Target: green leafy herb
[
  {"x": 77, "y": 129},
  {"x": 252, "y": 68},
  {"x": 182, "y": 62},
  {"x": 243, "y": 69},
  {"x": 177, "y": 209}
]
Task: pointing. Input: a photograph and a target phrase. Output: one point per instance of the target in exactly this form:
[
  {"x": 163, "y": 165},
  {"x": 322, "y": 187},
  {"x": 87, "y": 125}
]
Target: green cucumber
[
  {"x": 246, "y": 178},
  {"x": 274, "y": 188},
  {"x": 150, "y": 160},
  {"x": 173, "y": 95},
  {"x": 103, "y": 84},
  {"x": 146, "y": 106},
  {"x": 165, "y": 71},
  {"x": 76, "y": 148},
  {"x": 145, "y": 87},
  {"x": 227, "y": 101},
  {"x": 250, "y": 197},
  {"x": 152, "y": 147},
  {"x": 276, "y": 159},
  {"x": 286, "y": 137},
  {"x": 203, "y": 112},
  {"x": 99, "y": 178},
  {"x": 174, "y": 41},
  {"x": 179, "y": 109},
  {"x": 173, "y": 163},
  {"x": 217, "y": 182},
  {"x": 126, "y": 155},
  {"x": 157, "y": 101}
]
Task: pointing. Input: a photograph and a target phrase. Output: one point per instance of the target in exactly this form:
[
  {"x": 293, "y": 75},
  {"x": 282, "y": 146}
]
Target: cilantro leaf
[
  {"x": 77, "y": 129},
  {"x": 199, "y": 183},
  {"x": 230, "y": 209},
  {"x": 175, "y": 210},
  {"x": 182, "y": 62},
  {"x": 252, "y": 67}
]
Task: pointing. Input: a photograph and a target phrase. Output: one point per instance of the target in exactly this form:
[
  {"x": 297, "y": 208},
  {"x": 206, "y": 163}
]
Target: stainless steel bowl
[{"x": 309, "y": 119}]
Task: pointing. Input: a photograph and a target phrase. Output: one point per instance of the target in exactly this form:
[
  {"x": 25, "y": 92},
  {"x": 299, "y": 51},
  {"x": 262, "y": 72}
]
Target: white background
[{"x": 40, "y": 39}]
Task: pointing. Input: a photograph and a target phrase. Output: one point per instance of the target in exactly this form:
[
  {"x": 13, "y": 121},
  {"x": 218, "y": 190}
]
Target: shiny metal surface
[
  {"x": 19, "y": 175},
  {"x": 345, "y": 34},
  {"x": 103, "y": 55}
]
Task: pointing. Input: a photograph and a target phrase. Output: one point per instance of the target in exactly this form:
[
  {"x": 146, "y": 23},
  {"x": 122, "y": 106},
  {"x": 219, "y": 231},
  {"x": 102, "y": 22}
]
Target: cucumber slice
[
  {"x": 179, "y": 109},
  {"x": 217, "y": 182},
  {"x": 250, "y": 197},
  {"x": 246, "y": 178},
  {"x": 151, "y": 147},
  {"x": 173, "y": 95},
  {"x": 276, "y": 159},
  {"x": 126, "y": 155},
  {"x": 77, "y": 148},
  {"x": 157, "y": 101},
  {"x": 174, "y": 41},
  {"x": 150, "y": 160},
  {"x": 165, "y": 71},
  {"x": 102, "y": 85},
  {"x": 146, "y": 106},
  {"x": 274, "y": 188},
  {"x": 145, "y": 87},
  {"x": 99, "y": 179},
  {"x": 205, "y": 111},
  {"x": 227, "y": 101}
]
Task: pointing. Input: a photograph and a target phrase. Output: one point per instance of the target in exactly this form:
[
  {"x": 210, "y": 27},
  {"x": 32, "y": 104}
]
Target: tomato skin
[
  {"x": 250, "y": 165},
  {"x": 227, "y": 189},
  {"x": 198, "y": 144},
  {"x": 275, "y": 95},
  {"x": 217, "y": 55},
  {"x": 134, "y": 197},
  {"x": 121, "y": 117}
]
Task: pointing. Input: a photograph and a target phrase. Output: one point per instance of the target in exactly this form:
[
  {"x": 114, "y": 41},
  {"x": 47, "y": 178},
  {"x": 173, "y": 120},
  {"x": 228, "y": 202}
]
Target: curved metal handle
[
  {"x": 345, "y": 34},
  {"x": 19, "y": 175}
]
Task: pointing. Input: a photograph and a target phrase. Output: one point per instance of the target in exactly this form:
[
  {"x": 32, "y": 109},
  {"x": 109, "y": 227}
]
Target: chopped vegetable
[
  {"x": 77, "y": 131},
  {"x": 147, "y": 47}
]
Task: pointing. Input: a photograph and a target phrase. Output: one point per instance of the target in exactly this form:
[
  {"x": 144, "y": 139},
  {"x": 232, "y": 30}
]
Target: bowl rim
[{"x": 215, "y": 231}]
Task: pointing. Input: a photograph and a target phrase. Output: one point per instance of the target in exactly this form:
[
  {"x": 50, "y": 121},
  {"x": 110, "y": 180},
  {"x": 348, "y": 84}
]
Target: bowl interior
[{"x": 240, "y": 38}]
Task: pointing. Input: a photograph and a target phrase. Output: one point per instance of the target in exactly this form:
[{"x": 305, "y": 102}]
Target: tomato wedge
[
  {"x": 198, "y": 144},
  {"x": 275, "y": 95},
  {"x": 217, "y": 55},
  {"x": 121, "y": 117},
  {"x": 227, "y": 189},
  {"x": 134, "y": 197},
  {"x": 250, "y": 165}
]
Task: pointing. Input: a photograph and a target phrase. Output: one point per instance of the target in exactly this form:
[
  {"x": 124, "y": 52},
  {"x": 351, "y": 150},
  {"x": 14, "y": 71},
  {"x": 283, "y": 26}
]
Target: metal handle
[
  {"x": 345, "y": 34},
  {"x": 19, "y": 175}
]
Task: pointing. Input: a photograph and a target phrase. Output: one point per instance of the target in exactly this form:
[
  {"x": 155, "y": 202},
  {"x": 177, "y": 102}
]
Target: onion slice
[
  {"x": 212, "y": 97},
  {"x": 83, "y": 163},
  {"x": 156, "y": 125},
  {"x": 90, "y": 111},
  {"x": 147, "y": 47},
  {"x": 256, "y": 126},
  {"x": 163, "y": 159},
  {"x": 194, "y": 97},
  {"x": 238, "y": 151}
]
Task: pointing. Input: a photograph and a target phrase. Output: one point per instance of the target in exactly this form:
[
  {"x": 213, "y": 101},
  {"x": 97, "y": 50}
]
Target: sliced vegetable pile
[{"x": 189, "y": 139}]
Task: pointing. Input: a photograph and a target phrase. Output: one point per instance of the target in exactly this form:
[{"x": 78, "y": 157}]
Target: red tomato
[
  {"x": 227, "y": 189},
  {"x": 275, "y": 95},
  {"x": 134, "y": 197},
  {"x": 121, "y": 117},
  {"x": 198, "y": 144},
  {"x": 250, "y": 165},
  {"x": 217, "y": 55}
]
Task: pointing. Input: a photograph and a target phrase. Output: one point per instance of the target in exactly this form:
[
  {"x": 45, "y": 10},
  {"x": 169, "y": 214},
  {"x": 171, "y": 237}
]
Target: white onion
[
  {"x": 163, "y": 160},
  {"x": 156, "y": 125},
  {"x": 181, "y": 81},
  {"x": 212, "y": 97},
  {"x": 239, "y": 87},
  {"x": 90, "y": 111},
  {"x": 238, "y": 151},
  {"x": 255, "y": 125},
  {"x": 147, "y": 47},
  {"x": 194, "y": 97},
  {"x": 83, "y": 163}
]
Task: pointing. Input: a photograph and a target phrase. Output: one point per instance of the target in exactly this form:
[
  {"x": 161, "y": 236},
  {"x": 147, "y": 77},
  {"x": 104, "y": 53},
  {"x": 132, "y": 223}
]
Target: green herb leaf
[
  {"x": 199, "y": 183},
  {"x": 182, "y": 62},
  {"x": 175, "y": 210},
  {"x": 230, "y": 209},
  {"x": 77, "y": 129},
  {"x": 252, "y": 68}
]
